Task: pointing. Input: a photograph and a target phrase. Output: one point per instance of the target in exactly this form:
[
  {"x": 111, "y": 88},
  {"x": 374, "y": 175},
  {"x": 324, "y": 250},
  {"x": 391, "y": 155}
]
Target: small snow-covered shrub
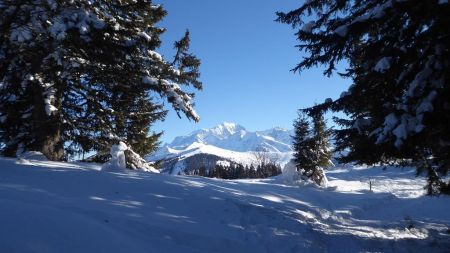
[
  {"x": 319, "y": 177},
  {"x": 123, "y": 157},
  {"x": 291, "y": 174}
]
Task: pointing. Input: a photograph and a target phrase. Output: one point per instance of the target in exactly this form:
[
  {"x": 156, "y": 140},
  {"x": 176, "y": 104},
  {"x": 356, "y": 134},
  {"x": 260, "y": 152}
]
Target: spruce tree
[
  {"x": 302, "y": 144},
  {"x": 78, "y": 76},
  {"x": 322, "y": 136},
  {"x": 28, "y": 94},
  {"x": 397, "y": 106},
  {"x": 311, "y": 147}
]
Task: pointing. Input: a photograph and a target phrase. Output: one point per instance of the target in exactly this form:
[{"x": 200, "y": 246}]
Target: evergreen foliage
[
  {"x": 79, "y": 76},
  {"x": 398, "y": 105},
  {"x": 321, "y": 137},
  {"x": 237, "y": 171},
  {"x": 302, "y": 143},
  {"x": 311, "y": 146}
]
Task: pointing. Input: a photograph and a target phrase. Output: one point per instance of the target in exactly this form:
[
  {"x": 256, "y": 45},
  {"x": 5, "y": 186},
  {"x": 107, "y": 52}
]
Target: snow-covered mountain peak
[
  {"x": 226, "y": 129},
  {"x": 235, "y": 137}
]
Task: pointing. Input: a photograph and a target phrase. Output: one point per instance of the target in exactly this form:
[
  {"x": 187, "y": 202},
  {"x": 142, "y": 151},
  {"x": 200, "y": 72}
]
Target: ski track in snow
[{"x": 74, "y": 207}]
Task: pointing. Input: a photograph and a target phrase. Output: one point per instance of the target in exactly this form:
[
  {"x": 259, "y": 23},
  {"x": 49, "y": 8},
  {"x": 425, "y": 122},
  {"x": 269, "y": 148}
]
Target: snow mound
[
  {"x": 33, "y": 155},
  {"x": 290, "y": 176},
  {"x": 289, "y": 173},
  {"x": 117, "y": 162}
]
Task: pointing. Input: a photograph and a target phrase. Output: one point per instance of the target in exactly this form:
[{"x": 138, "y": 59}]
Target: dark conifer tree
[
  {"x": 303, "y": 145},
  {"x": 311, "y": 146},
  {"x": 78, "y": 76},
  {"x": 398, "y": 105},
  {"x": 322, "y": 136}
]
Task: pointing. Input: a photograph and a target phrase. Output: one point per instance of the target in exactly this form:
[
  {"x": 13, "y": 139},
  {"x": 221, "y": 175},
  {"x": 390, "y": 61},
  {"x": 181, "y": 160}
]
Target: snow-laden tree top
[
  {"x": 88, "y": 69},
  {"x": 30, "y": 22}
]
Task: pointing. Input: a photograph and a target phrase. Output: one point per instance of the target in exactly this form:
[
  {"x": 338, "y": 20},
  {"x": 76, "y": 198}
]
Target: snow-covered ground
[{"x": 72, "y": 207}]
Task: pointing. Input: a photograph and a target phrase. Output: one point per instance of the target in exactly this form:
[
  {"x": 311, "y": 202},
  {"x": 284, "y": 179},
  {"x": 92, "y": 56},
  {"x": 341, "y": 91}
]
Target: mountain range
[{"x": 226, "y": 143}]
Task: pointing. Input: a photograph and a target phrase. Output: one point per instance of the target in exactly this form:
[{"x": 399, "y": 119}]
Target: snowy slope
[
  {"x": 229, "y": 142},
  {"x": 66, "y": 207}
]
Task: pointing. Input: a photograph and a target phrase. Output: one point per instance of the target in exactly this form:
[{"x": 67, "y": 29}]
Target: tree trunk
[
  {"x": 49, "y": 143},
  {"x": 47, "y": 129}
]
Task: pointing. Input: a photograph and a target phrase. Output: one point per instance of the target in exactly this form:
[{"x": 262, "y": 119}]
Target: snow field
[{"x": 74, "y": 207}]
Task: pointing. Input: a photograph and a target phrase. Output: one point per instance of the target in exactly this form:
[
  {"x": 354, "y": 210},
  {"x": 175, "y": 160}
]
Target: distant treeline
[{"x": 237, "y": 171}]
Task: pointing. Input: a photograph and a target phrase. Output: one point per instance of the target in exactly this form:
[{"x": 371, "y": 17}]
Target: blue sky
[{"x": 246, "y": 61}]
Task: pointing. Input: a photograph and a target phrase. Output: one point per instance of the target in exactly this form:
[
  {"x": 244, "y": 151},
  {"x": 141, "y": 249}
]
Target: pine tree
[
  {"x": 397, "y": 106},
  {"x": 311, "y": 147},
  {"x": 302, "y": 143},
  {"x": 321, "y": 136},
  {"x": 322, "y": 150},
  {"x": 28, "y": 95},
  {"x": 78, "y": 76}
]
